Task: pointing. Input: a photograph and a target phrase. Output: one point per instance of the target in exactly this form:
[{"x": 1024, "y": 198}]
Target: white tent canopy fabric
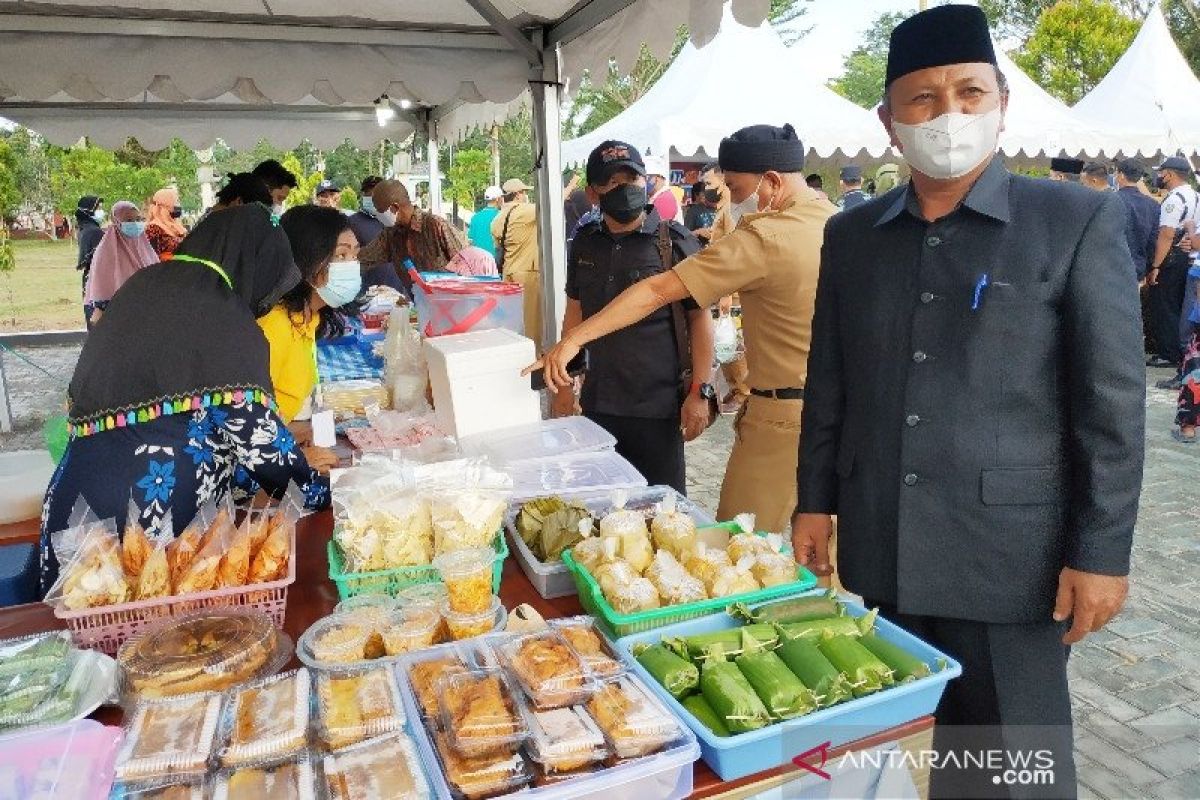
[
  {"x": 707, "y": 94},
  {"x": 1151, "y": 87}
]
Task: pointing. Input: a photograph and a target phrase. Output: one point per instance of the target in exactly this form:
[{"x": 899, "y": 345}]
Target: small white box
[{"x": 477, "y": 383}]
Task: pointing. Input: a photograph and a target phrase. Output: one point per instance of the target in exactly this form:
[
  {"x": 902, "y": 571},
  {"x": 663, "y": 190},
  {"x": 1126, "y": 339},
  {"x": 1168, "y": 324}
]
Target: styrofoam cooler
[{"x": 477, "y": 383}]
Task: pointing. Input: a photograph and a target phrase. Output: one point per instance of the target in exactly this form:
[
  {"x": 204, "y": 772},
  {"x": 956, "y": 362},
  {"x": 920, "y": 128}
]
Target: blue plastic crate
[
  {"x": 733, "y": 757},
  {"x": 18, "y": 574}
]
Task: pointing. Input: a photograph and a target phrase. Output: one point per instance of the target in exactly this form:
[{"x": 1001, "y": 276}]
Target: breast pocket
[{"x": 1007, "y": 294}]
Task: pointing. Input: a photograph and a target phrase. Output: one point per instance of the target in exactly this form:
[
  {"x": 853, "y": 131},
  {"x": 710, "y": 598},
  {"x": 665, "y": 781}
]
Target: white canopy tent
[
  {"x": 285, "y": 70},
  {"x": 1151, "y": 87},
  {"x": 706, "y": 95}
]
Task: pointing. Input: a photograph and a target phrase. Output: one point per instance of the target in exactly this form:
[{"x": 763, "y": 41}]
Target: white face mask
[
  {"x": 277, "y": 209},
  {"x": 747, "y": 206},
  {"x": 388, "y": 217},
  {"x": 951, "y": 145}
]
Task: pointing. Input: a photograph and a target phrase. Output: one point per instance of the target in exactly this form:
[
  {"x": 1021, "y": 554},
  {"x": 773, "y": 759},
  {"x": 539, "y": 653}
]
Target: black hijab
[{"x": 178, "y": 330}]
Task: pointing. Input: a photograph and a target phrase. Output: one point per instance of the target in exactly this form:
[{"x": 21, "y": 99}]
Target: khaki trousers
[{"x": 531, "y": 284}]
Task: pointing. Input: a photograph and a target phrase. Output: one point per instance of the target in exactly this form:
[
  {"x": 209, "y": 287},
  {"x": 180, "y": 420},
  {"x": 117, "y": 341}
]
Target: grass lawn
[{"x": 43, "y": 292}]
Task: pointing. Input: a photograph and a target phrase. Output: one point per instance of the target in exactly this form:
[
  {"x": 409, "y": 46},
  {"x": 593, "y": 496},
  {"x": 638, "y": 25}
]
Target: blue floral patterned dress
[{"x": 175, "y": 463}]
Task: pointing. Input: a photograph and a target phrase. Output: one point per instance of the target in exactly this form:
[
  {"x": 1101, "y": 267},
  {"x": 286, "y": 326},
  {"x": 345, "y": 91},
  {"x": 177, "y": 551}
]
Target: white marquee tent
[
  {"x": 1150, "y": 87},
  {"x": 736, "y": 80}
]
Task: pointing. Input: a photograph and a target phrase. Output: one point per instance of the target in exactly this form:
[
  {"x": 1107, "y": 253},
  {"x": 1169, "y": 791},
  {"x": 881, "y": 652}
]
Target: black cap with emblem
[{"x": 611, "y": 156}]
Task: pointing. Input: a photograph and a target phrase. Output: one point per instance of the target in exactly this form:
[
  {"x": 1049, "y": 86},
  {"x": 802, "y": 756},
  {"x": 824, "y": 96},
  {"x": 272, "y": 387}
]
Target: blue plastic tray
[{"x": 733, "y": 757}]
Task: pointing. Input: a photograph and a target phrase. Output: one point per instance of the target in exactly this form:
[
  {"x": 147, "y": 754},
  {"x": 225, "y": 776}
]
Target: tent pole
[
  {"x": 435, "y": 173},
  {"x": 546, "y": 89}
]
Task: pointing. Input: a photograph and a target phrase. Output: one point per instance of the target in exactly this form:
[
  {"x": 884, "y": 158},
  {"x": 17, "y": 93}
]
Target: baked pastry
[
  {"x": 386, "y": 767},
  {"x": 551, "y": 672},
  {"x": 476, "y": 778},
  {"x": 167, "y": 738},
  {"x": 208, "y": 651},
  {"x": 426, "y": 678},
  {"x": 357, "y": 706},
  {"x": 291, "y": 780},
  {"x": 480, "y": 714},
  {"x": 564, "y": 740},
  {"x": 591, "y": 648},
  {"x": 633, "y": 723},
  {"x": 268, "y": 719}
]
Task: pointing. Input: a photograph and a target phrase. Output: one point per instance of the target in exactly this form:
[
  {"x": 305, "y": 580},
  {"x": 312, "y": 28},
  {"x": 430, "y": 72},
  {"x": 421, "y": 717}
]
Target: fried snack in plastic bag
[
  {"x": 466, "y": 519},
  {"x": 91, "y": 573},
  {"x": 200, "y": 575},
  {"x": 234, "y": 568},
  {"x": 673, "y": 531},
  {"x": 260, "y": 526},
  {"x": 705, "y": 562},
  {"x": 220, "y": 526},
  {"x": 155, "y": 578},
  {"x": 407, "y": 539},
  {"x": 270, "y": 562},
  {"x": 736, "y": 579},
  {"x": 181, "y": 551},
  {"x": 135, "y": 547},
  {"x": 675, "y": 586}
]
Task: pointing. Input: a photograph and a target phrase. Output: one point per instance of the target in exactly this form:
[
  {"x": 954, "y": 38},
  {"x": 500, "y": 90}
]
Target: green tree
[
  {"x": 32, "y": 169},
  {"x": 865, "y": 69},
  {"x": 10, "y": 192},
  {"x": 516, "y": 147},
  {"x": 468, "y": 176},
  {"x": 1074, "y": 45},
  {"x": 348, "y": 199},
  {"x": 90, "y": 170},
  {"x": 306, "y": 184},
  {"x": 1016, "y": 19}
]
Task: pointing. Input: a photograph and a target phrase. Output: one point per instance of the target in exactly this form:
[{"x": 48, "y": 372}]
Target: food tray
[
  {"x": 390, "y": 581},
  {"x": 544, "y": 439},
  {"x": 106, "y": 628},
  {"x": 733, "y": 757},
  {"x": 621, "y": 625},
  {"x": 573, "y": 474},
  {"x": 553, "y": 580},
  {"x": 666, "y": 775}
]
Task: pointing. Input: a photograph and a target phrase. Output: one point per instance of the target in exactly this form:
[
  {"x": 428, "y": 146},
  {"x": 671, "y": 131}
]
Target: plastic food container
[
  {"x": 565, "y": 740},
  {"x": 481, "y": 714},
  {"x": 552, "y": 674},
  {"x": 634, "y": 722},
  {"x": 357, "y": 705},
  {"x": 544, "y": 439},
  {"x": 411, "y": 629},
  {"x": 592, "y": 646},
  {"x": 467, "y": 575},
  {"x": 733, "y": 757},
  {"x": 204, "y": 651},
  {"x": 266, "y": 719},
  {"x": 169, "y": 738},
  {"x": 427, "y": 594},
  {"x": 292, "y": 778},
  {"x": 395, "y": 581},
  {"x": 382, "y": 603},
  {"x": 169, "y": 789},
  {"x": 75, "y": 760},
  {"x": 426, "y": 676},
  {"x": 381, "y": 768},
  {"x": 468, "y": 626},
  {"x": 573, "y": 474},
  {"x": 453, "y": 305},
  {"x": 482, "y": 777},
  {"x": 347, "y": 640}
]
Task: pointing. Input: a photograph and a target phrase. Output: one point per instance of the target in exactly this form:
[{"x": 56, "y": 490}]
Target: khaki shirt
[
  {"x": 520, "y": 243},
  {"x": 771, "y": 260}
]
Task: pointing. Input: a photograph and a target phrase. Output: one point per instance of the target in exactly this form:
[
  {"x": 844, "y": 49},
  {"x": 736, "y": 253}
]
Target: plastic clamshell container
[
  {"x": 544, "y": 439},
  {"x": 477, "y": 383},
  {"x": 666, "y": 775},
  {"x": 456, "y": 306},
  {"x": 468, "y": 626},
  {"x": 296, "y": 774},
  {"x": 169, "y": 738},
  {"x": 75, "y": 760},
  {"x": 384, "y": 767},
  {"x": 573, "y": 474},
  {"x": 645, "y": 726},
  {"x": 266, "y": 719},
  {"x": 497, "y": 735},
  {"x": 591, "y": 644},
  {"x": 733, "y": 757},
  {"x": 384, "y": 604},
  {"x": 565, "y": 740},
  {"x": 621, "y": 625},
  {"x": 355, "y": 705},
  {"x": 567, "y": 680},
  {"x": 553, "y": 579}
]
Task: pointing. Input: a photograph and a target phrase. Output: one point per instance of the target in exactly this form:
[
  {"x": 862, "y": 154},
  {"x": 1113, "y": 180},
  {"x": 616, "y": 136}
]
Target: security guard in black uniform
[
  {"x": 633, "y": 388},
  {"x": 852, "y": 191}
]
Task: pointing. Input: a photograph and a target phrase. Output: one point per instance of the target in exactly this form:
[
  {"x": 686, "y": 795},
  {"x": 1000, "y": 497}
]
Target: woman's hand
[{"x": 302, "y": 431}]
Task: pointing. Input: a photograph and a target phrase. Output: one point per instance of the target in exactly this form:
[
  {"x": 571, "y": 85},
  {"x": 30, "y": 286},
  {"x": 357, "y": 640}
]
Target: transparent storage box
[
  {"x": 384, "y": 767},
  {"x": 353, "y": 706},
  {"x": 545, "y": 439},
  {"x": 74, "y": 761},
  {"x": 634, "y": 722},
  {"x": 266, "y": 719},
  {"x": 169, "y": 738},
  {"x": 292, "y": 778},
  {"x": 573, "y": 474},
  {"x": 593, "y": 647},
  {"x": 482, "y": 713},
  {"x": 565, "y": 740},
  {"x": 552, "y": 674}
]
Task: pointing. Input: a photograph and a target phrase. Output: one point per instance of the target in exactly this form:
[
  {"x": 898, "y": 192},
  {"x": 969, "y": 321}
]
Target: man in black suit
[{"x": 974, "y": 408}]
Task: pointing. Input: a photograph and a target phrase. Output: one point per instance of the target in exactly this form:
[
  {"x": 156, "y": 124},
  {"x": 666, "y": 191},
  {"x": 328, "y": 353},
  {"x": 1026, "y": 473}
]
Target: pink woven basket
[{"x": 107, "y": 627}]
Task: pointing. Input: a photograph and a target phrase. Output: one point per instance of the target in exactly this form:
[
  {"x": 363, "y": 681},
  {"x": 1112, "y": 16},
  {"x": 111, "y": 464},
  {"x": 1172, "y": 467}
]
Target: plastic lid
[
  {"x": 468, "y": 626},
  {"x": 266, "y": 719},
  {"x": 484, "y": 776},
  {"x": 204, "y": 651},
  {"x": 384, "y": 767},
  {"x": 409, "y": 629},
  {"x": 430, "y": 594},
  {"x": 634, "y": 723},
  {"x": 552, "y": 437},
  {"x": 548, "y": 668},
  {"x": 572, "y": 474},
  {"x": 345, "y": 639},
  {"x": 425, "y": 677},
  {"x": 382, "y": 603},
  {"x": 482, "y": 713},
  {"x": 353, "y": 706},
  {"x": 591, "y": 645},
  {"x": 170, "y": 737},
  {"x": 565, "y": 739},
  {"x": 74, "y": 760},
  {"x": 292, "y": 779}
]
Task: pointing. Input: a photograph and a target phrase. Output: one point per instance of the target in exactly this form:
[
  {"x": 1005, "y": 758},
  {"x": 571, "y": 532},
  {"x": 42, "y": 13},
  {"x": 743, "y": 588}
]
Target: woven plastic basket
[{"x": 391, "y": 581}]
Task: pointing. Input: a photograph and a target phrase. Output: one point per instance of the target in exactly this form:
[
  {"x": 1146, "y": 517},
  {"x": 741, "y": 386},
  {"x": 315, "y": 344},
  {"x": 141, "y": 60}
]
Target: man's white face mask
[{"x": 951, "y": 145}]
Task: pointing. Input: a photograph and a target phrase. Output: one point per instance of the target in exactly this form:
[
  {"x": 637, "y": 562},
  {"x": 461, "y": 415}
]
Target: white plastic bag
[{"x": 725, "y": 339}]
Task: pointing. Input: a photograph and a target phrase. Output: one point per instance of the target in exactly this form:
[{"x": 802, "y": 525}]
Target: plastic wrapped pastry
[
  {"x": 169, "y": 738},
  {"x": 591, "y": 646},
  {"x": 673, "y": 531},
  {"x": 381, "y": 769},
  {"x": 675, "y": 586},
  {"x": 705, "y": 562},
  {"x": 633, "y": 722},
  {"x": 181, "y": 551},
  {"x": 589, "y": 552},
  {"x": 270, "y": 562},
  {"x": 629, "y": 528},
  {"x": 551, "y": 672},
  {"x": 267, "y": 719},
  {"x": 565, "y": 740},
  {"x": 288, "y": 780},
  {"x": 773, "y": 569},
  {"x": 736, "y": 579},
  {"x": 426, "y": 679},
  {"x": 354, "y": 706},
  {"x": 746, "y": 544},
  {"x": 476, "y": 778},
  {"x": 482, "y": 714}
]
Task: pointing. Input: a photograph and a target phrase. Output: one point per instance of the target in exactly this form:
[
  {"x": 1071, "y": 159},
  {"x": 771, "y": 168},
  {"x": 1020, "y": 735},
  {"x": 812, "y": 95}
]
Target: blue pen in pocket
[{"x": 980, "y": 286}]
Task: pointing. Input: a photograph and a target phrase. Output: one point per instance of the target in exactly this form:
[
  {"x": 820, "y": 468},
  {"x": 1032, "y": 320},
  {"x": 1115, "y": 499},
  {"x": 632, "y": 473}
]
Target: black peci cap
[
  {"x": 1068, "y": 166},
  {"x": 1176, "y": 164},
  {"x": 611, "y": 156},
  {"x": 762, "y": 148},
  {"x": 851, "y": 173},
  {"x": 1131, "y": 168},
  {"x": 952, "y": 34}
]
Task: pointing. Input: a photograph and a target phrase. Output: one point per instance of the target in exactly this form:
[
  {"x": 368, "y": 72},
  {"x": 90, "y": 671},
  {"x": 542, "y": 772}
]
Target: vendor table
[{"x": 313, "y": 596}]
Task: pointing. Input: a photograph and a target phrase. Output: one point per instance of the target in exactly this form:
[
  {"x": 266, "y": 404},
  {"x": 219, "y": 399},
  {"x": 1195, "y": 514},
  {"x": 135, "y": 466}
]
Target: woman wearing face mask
[
  {"x": 163, "y": 228},
  {"x": 326, "y": 252},
  {"x": 122, "y": 251},
  {"x": 88, "y": 217}
]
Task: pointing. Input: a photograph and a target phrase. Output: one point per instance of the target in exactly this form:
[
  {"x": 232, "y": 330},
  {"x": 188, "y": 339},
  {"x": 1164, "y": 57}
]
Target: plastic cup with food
[{"x": 468, "y": 578}]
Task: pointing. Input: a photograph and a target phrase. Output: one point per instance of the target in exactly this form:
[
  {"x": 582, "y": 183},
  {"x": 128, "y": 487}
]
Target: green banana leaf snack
[
  {"x": 784, "y": 695},
  {"x": 810, "y": 665},
  {"x": 703, "y": 712},
  {"x": 792, "y": 609},
  {"x": 677, "y": 675},
  {"x": 867, "y": 673},
  {"x": 904, "y": 665},
  {"x": 729, "y": 694}
]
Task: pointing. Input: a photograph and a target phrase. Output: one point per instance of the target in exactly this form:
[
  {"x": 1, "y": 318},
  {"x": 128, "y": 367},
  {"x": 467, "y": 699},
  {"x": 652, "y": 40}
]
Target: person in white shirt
[{"x": 1168, "y": 272}]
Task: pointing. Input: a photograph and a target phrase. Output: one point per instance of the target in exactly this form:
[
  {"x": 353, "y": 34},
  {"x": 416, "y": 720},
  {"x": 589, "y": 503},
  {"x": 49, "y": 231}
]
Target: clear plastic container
[
  {"x": 410, "y": 629},
  {"x": 467, "y": 575},
  {"x": 384, "y": 767},
  {"x": 545, "y": 439},
  {"x": 292, "y": 778},
  {"x": 468, "y": 626},
  {"x": 343, "y": 640},
  {"x": 565, "y": 740},
  {"x": 552, "y": 674},
  {"x": 478, "y": 778},
  {"x": 591, "y": 645},
  {"x": 266, "y": 719},
  {"x": 482, "y": 714},
  {"x": 34, "y": 673},
  {"x": 634, "y": 722},
  {"x": 382, "y": 604},
  {"x": 429, "y": 594},
  {"x": 200, "y": 652},
  {"x": 573, "y": 474},
  {"x": 353, "y": 706},
  {"x": 164, "y": 789},
  {"x": 425, "y": 677},
  {"x": 170, "y": 738},
  {"x": 74, "y": 761}
]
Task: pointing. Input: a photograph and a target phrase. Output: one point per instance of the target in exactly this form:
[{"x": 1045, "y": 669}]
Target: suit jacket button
[
  {"x": 912, "y": 420},
  {"x": 911, "y": 479},
  {"x": 933, "y": 241},
  {"x": 926, "y": 297},
  {"x": 919, "y": 356}
]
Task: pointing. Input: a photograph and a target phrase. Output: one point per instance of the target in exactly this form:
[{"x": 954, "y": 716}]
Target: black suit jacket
[{"x": 974, "y": 441}]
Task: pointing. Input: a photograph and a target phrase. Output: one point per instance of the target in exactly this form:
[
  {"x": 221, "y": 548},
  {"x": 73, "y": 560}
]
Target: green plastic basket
[
  {"x": 618, "y": 626},
  {"x": 391, "y": 581}
]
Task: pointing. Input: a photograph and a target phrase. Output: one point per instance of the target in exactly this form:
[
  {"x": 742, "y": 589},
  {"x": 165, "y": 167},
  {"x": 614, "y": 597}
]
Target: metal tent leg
[{"x": 552, "y": 235}]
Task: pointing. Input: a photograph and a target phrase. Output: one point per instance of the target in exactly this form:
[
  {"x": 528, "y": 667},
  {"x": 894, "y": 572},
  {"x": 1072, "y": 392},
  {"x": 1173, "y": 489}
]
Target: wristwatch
[{"x": 706, "y": 390}]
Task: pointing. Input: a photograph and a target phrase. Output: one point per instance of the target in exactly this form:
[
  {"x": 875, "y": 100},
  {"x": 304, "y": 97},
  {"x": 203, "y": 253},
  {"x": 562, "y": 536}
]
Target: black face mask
[
  {"x": 176, "y": 212},
  {"x": 1160, "y": 182},
  {"x": 712, "y": 196},
  {"x": 625, "y": 202}
]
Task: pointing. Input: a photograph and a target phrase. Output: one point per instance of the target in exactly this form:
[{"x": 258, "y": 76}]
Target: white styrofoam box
[
  {"x": 23, "y": 478},
  {"x": 551, "y": 437},
  {"x": 477, "y": 383}
]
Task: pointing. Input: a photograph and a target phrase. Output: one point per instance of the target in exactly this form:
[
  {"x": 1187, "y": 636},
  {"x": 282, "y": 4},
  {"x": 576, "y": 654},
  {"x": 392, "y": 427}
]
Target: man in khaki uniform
[
  {"x": 771, "y": 260},
  {"x": 516, "y": 233}
]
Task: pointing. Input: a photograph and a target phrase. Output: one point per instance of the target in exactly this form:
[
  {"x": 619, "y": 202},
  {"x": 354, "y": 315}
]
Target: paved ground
[{"x": 1136, "y": 685}]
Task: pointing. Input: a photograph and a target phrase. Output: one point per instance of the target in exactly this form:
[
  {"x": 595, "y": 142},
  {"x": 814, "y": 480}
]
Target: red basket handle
[{"x": 466, "y": 323}]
